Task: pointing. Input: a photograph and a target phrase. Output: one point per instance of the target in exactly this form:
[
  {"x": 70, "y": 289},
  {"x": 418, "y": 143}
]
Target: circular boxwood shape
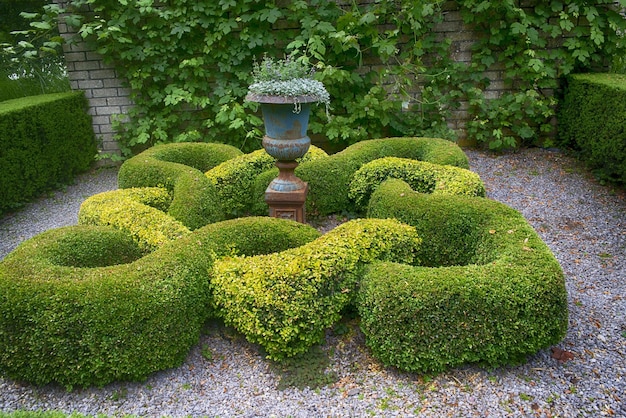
[
  {"x": 75, "y": 316},
  {"x": 489, "y": 289},
  {"x": 141, "y": 212},
  {"x": 284, "y": 301},
  {"x": 422, "y": 176}
]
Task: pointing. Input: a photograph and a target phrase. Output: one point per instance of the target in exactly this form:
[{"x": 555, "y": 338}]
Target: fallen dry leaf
[{"x": 562, "y": 355}]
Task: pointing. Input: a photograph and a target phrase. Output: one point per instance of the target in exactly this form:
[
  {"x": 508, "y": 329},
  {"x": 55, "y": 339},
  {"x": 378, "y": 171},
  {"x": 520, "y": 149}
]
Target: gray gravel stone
[{"x": 583, "y": 223}]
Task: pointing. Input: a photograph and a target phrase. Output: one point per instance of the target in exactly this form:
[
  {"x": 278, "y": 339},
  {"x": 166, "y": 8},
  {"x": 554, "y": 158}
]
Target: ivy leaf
[
  {"x": 29, "y": 54},
  {"x": 533, "y": 35},
  {"x": 296, "y": 44},
  {"x": 180, "y": 30},
  {"x": 227, "y": 4},
  {"x": 518, "y": 28},
  {"x": 591, "y": 13},
  {"x": 526, "y": 132},
  {"x": 485, "y": 5},
  {"x": 48, "y": 50},
  {"x": 487, "y": 60},
  {"x": 29, "y": 16},
  {"x": 386, "y": 48},
  {"x": 495, "y": 144},
  {"x": 51, "y": 44},
  {"x": 581, "y": 54},
  {"x": 236, "y": 124},
  {"x": 565, "y": 23},
  {"x": 367, "y": 18},
  {"x": 428, "y": 9},
  {"x": 536, "y": 64},
  {"x": 597, "y": 36},
  {"x": 270, "y": 15},
  {"x": 41, "y": 25},
  {"x": 226, "y": 26},
  {"x": 72, "y": 20},
  {"x": 556, "y": 6},
  {"x": 25, "y": 44}
]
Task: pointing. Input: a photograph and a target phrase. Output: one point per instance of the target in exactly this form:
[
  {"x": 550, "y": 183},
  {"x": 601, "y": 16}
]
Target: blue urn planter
[{"x": 286, "y": 121}]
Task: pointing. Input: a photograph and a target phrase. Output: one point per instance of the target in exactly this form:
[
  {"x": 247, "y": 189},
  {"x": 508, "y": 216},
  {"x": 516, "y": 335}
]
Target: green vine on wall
[
  {"x": 388, "y": 72},
  {"x": 535, "y": 47}
]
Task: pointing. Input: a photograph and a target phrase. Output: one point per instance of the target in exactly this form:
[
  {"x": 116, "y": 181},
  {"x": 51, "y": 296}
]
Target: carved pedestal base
[{"x": 287, "y": 205}]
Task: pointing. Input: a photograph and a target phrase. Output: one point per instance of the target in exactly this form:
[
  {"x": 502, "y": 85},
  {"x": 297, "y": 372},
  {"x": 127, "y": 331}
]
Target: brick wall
[
  {"x": 462, "y": 38},
  {"x": 106, "y": 92}
]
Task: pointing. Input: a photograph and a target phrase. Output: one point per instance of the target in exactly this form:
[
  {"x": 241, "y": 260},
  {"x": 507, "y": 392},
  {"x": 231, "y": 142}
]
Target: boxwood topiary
[
  {"x": 591, "y": 121},
  {"x": 496, "y": 295},
  {"x": 284, "y": 301},
  {"x": 69, "y": 315},
  {"x": 76, "y": 320},
  {"x": 329, "y": 178},
  {"x": 92, "y": 247},
  {"x": 45, "y": 141},
  {"x": 422, "y": 176},
  {"x": 138, "y": 211},
  {"x": 195, "y": 200}
]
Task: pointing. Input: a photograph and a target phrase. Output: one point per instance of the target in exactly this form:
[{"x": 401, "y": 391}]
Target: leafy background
[{"x": 387, "y": 68}]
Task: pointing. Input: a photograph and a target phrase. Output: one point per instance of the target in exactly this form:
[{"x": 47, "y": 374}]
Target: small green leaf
[
  {"x": 25, "y": 44},
  {"x": 29, "y": 16},
  {"x": 41, "y": 25},
  {"x": 518, "y": 28},
  {"x": 73, "y": 20}
]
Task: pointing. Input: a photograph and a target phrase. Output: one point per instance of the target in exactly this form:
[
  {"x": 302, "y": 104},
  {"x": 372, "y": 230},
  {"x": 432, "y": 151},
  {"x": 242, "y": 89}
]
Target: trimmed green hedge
[
  {"x": 329, "y": 178},
  {"x": 285, "y": 301},
  {"x": 64, "y": 321},
  {"x": 422, "y": 176},
  {"x": 180, "y": 169},
  {"x": 452, "y": 279},
  {"x": 237, "y": 185},
  {"x": 44, "y": 142},
  {"x": 138, "y": 211},
  {"x": 495, "y": 294},
  {"x": 592, "y": 120}
]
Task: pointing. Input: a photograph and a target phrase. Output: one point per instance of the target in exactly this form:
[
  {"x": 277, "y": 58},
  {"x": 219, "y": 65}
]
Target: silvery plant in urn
[{"x": 285, "y": 90}]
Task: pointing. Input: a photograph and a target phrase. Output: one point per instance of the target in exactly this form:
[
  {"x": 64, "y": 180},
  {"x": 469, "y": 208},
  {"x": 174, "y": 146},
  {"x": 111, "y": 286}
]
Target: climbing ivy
[
  {"x": 534, "y": 47},
  {"x": 189, "y": 63}
]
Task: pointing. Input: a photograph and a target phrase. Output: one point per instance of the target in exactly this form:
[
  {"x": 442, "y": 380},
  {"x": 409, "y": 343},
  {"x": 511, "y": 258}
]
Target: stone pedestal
[{"x": 287, "y": 205}]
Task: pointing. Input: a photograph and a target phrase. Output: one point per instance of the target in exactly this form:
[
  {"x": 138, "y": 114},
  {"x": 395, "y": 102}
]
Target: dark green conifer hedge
[
  {"x": 44, "y": 141},
  {"x": 592, "y": 120}
]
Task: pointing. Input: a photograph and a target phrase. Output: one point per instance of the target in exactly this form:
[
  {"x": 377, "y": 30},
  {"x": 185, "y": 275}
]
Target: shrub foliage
[
  {"x": 80, "y": 321},
  {"x": 422, "y": 176},
  {"x": 140, "y": 212},
  {"x": 494, "y": 295},
  {"x": 591, "y": 121},
  {"x": 44, "y": 142},
  {"x": 285, "y": 301},
  {"x": 452, "y": 279},
  {"x": 177, "y": 168}
]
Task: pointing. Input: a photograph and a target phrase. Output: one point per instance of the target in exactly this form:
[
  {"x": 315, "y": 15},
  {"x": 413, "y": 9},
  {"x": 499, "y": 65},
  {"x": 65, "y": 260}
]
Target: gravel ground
[
  {"x": 582, "y": 222},
  {"x": 57, "y": 209}
]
